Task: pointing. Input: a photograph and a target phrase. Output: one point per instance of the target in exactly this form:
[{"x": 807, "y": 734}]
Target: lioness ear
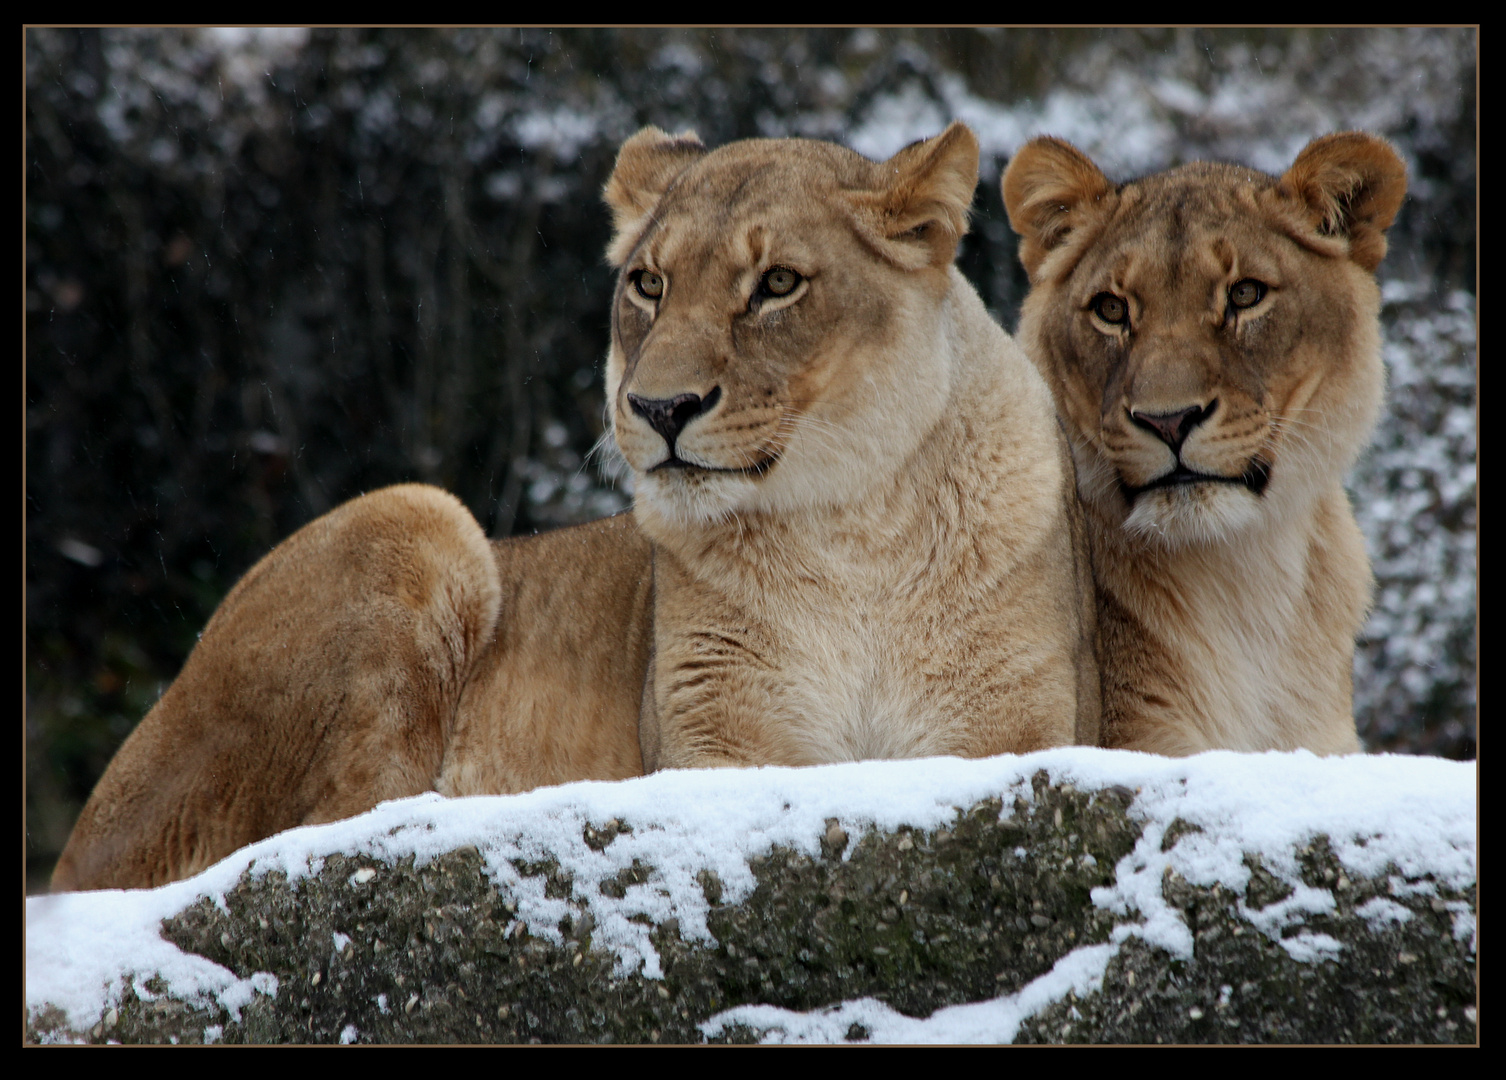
[
  {"x": 918, "y": 213},
  {"x": 1351, "y": 185},
  {"x": 1050, "y": 190},
  {"x": 646, "y": 165}
]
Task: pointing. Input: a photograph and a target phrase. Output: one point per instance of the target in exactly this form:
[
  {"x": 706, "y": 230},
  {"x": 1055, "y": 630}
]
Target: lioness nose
[
  {"x": 1173, "y": 428},
  {"x": 668, "y": 416}
]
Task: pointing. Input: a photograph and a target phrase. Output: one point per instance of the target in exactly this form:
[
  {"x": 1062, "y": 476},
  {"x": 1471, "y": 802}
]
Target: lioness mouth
[
  {"x": 1255, "y": 477},
  {"x": 758, "y": 468}
]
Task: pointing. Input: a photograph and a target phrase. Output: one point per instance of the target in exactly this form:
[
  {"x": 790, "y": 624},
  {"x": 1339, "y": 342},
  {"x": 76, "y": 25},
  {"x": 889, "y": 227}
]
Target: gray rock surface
[{"x": 370, "y": 951}]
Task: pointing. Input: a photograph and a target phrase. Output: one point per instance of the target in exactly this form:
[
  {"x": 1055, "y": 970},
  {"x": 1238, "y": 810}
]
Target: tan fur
[
  {"x": 555, "y": 694},
  {"x": 327, "y": 676},
  {"x": 895, "y": 564},
  {"x": 864, "y": 544},
  {"x": 1228, "y": 606},
  {"x": 341, "y": 669}
]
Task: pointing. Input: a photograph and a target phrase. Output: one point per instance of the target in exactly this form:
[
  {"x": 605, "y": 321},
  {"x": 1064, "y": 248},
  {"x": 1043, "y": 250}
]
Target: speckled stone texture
[{"x": 363, "y": 951}]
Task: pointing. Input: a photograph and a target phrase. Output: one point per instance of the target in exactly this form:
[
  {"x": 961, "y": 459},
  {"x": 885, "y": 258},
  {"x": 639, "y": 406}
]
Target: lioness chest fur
[{"x": 1210, "y": 335}]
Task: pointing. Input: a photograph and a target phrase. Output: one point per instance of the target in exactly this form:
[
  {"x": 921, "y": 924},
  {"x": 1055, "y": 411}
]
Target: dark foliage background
[{"x": 267, "y": 271}]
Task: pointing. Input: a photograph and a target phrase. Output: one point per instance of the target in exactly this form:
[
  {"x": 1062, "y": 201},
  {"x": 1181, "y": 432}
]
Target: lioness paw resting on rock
[
  {"x": 854, "y": 536},
  {"x": 1211, "y": 338}
]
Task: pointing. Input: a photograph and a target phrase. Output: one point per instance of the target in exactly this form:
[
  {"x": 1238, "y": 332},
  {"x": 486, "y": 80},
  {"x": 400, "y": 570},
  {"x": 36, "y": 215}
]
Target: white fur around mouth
[
  {"x": 674, "y": 462},
  {"x": 1193, "y": 513},
  {"x": 687, "y": 496},
  {"x": 1254, "y": 480}
]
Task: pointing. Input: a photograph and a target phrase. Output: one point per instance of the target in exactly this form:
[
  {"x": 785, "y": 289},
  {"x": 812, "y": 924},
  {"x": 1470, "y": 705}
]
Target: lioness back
[{"x": 1210, "y": 335}]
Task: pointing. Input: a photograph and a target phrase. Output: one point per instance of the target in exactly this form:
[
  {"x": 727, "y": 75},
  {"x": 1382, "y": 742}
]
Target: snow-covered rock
[{"x": 1069, "y": 895}]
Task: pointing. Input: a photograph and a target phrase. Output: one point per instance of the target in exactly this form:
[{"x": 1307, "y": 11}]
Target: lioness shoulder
[{"x": 1210, "y": 335}]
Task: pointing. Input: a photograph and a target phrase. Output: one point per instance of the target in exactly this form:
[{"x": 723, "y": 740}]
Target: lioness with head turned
[
  {"x": 856, "y": 537},
  {"x": 1210, "y": 335},
  {"x": 860, "y": 505}
]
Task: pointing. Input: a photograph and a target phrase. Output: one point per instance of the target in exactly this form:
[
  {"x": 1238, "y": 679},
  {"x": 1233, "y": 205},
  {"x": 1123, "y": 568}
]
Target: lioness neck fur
[
  {"x": 864, "y": 544},
  {"x": 1211, "y": 338}
]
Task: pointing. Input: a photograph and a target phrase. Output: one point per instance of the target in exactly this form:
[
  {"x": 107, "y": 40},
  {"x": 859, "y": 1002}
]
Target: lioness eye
[
  {"x": 1246, "y": 293},
  {"x": 1111, "y": 308},
  {"x": 649, "y": 284},
  {"x": 780, "y": 282}
]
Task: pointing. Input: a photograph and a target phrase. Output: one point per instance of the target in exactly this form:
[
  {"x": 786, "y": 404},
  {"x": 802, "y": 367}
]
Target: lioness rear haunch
[
  {"x": 856, "y": 537},
  {"x": 1210, "y": 335}
]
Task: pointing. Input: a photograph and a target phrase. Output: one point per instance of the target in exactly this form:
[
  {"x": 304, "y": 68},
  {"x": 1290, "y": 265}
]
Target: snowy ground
[{"x": 1413, "y": 819}]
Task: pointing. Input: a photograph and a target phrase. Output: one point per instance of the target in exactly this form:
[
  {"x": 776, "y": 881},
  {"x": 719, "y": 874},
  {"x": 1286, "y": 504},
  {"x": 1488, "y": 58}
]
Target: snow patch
[{"x": 1080, "y": 972}]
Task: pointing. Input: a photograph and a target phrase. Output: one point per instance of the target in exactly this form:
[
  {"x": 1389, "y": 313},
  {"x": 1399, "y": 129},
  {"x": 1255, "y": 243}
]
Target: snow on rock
[{"x": 620, "y": 873}]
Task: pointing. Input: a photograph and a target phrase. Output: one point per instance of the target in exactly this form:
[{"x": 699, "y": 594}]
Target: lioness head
[
  {"x": 777, "y": 307},
  {"x": 1210, "y": 332}
]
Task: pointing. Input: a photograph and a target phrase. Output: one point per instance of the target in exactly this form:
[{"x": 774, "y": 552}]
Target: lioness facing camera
[
  {"x": 1211, "y": 338},
  {"x": 856, "y": 537}
]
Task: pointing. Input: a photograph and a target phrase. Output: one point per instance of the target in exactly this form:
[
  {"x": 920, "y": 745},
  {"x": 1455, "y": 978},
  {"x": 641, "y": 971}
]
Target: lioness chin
[
  {"x": 856, "y": 536},
  {"x": 1210, "y": 335}
]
